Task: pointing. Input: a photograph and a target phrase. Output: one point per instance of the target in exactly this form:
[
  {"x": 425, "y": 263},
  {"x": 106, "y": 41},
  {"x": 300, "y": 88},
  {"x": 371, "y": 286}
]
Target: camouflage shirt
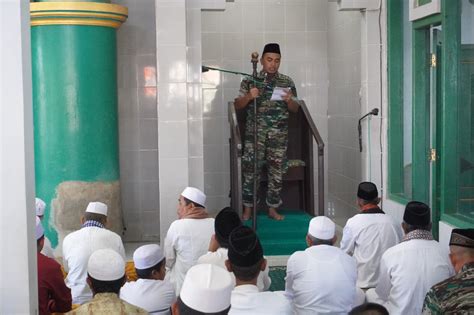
[
  {"x": 454, "y": 295},
  {"x": 271, "y": 113}
]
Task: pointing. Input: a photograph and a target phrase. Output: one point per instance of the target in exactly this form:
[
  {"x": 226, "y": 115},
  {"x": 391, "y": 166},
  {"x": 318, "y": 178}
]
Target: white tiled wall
[
  {"x": 172, "y": 106},
  {"x": 228, "y": 39},
  {"x": 138, "y": 121},
  {"x": 344, "y": 111}
]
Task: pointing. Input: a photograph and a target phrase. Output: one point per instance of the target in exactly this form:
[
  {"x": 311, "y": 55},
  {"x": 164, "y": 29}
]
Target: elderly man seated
[
  {"x": 455, "y": 295},
  {"x": 409, "y": 269},
  {"x": 368, "y": 234},
  {"x": 322, "y": 279},
  {"x": 206, "y": 290},
  {"x": 105, "y": 276},
  {"x": 150, "y": 292},
  {"x": 188, "y": 237},
  {"x": 78, "y": 246}
]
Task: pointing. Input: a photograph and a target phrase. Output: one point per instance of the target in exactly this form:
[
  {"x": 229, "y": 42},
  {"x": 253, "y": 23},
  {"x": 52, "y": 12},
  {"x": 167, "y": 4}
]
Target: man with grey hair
[
  {"x": 322, "y": 279},
  {"x": 456, "y": 294},
  {"x": 409, "y": 269}
]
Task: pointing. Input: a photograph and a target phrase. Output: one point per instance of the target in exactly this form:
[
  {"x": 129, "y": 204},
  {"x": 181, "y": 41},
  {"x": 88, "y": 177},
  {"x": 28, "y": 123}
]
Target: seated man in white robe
[
  {"x": 78, "y": 246},
  {"x": 368, "y": 234},
  {"x": 40, "y": 206},
  {"x": 206, "y": 291},
  {"x": 188, "y": 237},
  {"x": 246, "y": 261},
  {"x": 105, "y": 276},
  {"x": 322, "y": 278},
  {"x": 226, "y": 221},
  {"x": 408, "y": 270},
  {"x": 150, "y": 292}
]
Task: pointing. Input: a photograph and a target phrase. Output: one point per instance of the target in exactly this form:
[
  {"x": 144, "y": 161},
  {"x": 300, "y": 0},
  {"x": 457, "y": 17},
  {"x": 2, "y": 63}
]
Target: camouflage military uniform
[
  {"x": 454, "y": 295},
  {"x": 272, "y": 138}
]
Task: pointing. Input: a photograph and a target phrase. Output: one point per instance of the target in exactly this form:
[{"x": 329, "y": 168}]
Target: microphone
[{"x": 373, "y": 112}]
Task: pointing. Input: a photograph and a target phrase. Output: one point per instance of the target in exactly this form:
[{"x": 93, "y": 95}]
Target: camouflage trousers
[{"x": 272, "y": 145}]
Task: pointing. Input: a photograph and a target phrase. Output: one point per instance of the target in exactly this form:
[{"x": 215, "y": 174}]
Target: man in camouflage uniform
[
  {"x": 455, "y": 295},
  {"x": 272, "y": 129}
]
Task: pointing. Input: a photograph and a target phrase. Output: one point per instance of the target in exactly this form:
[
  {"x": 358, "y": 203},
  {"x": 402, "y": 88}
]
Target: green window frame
[
  {"x": 451, "y": 79},
  {"x": 395, "y": 77},
  {"x": 444, "y": 179}
]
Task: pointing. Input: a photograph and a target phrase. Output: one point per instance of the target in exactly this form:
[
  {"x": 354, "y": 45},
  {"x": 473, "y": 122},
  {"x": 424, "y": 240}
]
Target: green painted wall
[{"x": 75, "y": 107}]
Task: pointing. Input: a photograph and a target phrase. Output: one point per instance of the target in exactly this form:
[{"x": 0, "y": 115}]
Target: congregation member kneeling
[{"x": 150, "y": 292}]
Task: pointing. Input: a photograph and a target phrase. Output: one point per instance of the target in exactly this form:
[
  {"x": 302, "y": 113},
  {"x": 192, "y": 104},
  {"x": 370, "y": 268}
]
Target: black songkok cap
[
  {"x": 245, "y": 249},
  {"x": 367, "y": 191},
  {"x": 417, "y": 213},
  {"x": 271, "y": 48},
  {"x": 462, "y": 237},
  {"x": 226, "y": 220}
]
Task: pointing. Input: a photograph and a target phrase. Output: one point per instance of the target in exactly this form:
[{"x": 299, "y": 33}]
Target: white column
[
  {"x": 172, "y": 107},
  {"x": 18, "y": 279}
]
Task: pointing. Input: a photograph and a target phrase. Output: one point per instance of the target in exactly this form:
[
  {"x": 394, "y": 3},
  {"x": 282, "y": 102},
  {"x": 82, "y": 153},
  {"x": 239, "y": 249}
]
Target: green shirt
[{"x": 454, "y": 295}]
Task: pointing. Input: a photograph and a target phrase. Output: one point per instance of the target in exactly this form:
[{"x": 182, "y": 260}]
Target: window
[
  {"x": 457, "y": 177},
  {"x": 400, "y": 100}
]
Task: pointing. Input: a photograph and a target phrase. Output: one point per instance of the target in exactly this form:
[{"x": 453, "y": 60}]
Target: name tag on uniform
[{"x": 278, "y": 93}]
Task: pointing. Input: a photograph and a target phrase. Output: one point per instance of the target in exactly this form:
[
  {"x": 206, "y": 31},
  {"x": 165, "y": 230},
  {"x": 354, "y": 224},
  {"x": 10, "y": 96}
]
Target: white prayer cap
[
  {"x": 106, "y": 265},
  {"x": 40, "y": 205},
  {"x": 147, "y": 256},
  {"x": 97, "y": 207},
  {"x": 207, "y": 288},
  {"x": 322, "y": 227},
  {"x": 195, "y": 195},
  {"x": 39, "y": 229}
]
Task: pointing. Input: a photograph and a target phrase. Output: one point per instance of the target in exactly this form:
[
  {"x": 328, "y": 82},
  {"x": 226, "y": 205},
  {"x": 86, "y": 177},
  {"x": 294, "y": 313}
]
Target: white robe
[
  {"x": 78, "y": 246},
  {"x": 185, "y": 242},
  {"x": 407, "y": 271},
  {"x": 246, "y": 299},
  {"x": 219, "y": 257},
  {"x": 322, "y": 280},
  {"x": 154, "y": 296},
  {"x": 366, "y": 237}
]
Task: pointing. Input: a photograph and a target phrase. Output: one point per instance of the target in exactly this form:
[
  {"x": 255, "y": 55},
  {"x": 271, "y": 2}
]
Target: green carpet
[
  {"x": 282, "y": 237},
  {"x": 277, "y": 274}
]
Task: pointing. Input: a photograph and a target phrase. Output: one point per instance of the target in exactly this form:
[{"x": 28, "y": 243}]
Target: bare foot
[
  {"x": 273, "y": 214},
  {"x": 247, "y": 214}
]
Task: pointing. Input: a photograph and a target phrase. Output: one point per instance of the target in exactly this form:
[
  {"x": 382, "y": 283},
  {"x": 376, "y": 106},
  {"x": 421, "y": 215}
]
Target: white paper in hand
[{"x": 278, "y": 93}]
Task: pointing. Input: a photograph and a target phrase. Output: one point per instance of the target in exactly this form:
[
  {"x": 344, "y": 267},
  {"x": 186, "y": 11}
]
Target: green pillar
[{"x": 74, "y": 65}]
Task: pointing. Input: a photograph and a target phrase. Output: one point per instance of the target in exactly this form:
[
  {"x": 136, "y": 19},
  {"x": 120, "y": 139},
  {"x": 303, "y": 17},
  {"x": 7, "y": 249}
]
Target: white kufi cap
[
  {"x": 39, "y": 229},
  {"x": 322, "y": 227},
  {"x": 106, "y": 265},
  {"x": 40, "y": 205},
  {"x": 97, "y": 207},
  {"x": 207, "y": 288},
  {"x": 195, "y": 195},
  {"x": 147, "y": 256}
]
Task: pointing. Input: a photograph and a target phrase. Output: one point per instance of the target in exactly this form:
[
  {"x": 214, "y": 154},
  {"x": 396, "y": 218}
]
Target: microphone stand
[
  {"x": 255, "y": 83},
  {"x": 373, "y": 112},
  {"x": 254, "y": 61}
]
